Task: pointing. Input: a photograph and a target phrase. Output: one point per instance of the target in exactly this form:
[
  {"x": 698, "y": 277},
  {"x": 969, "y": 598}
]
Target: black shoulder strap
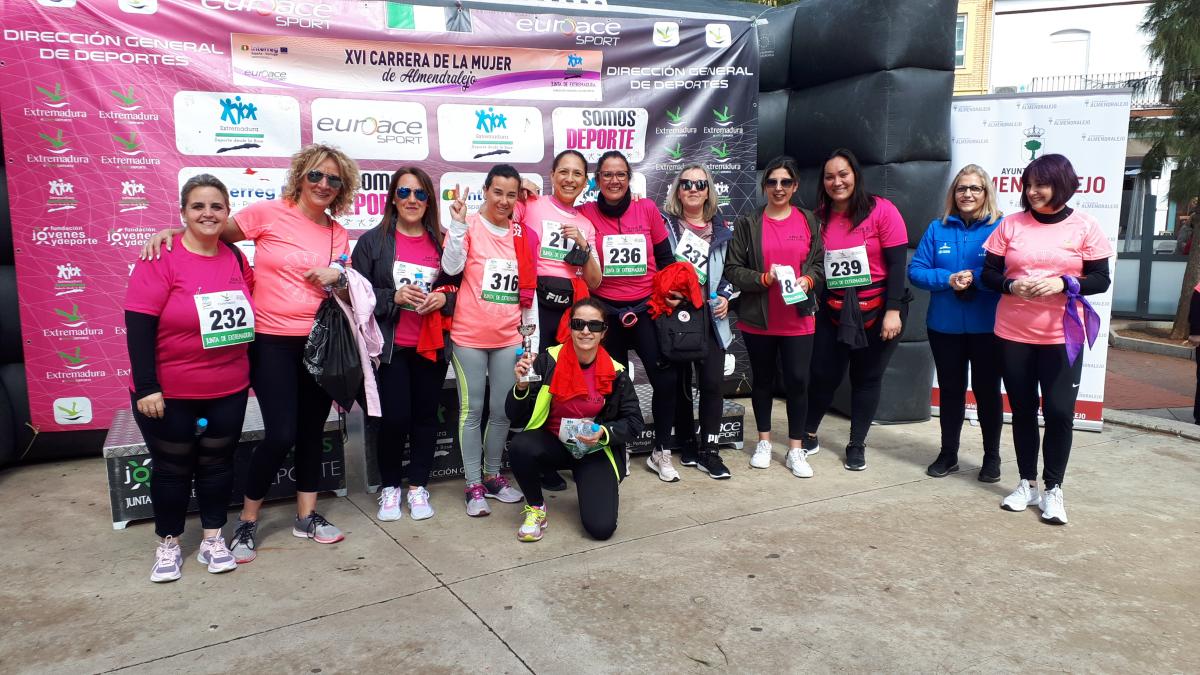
[{"x": 237, "y": 253}]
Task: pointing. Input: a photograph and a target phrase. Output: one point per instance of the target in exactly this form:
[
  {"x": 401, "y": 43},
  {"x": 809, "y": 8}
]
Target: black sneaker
[
  {"x": 810, "y": 444},
  {"x": 689, "y": 456},
  {"x": 946, "y": 463},
  {"x": 710, "y": 463},
  {"x": 990, "y": 471},
  {"x": 553, "y": 481},
  {"x": 856, "y": 458}
]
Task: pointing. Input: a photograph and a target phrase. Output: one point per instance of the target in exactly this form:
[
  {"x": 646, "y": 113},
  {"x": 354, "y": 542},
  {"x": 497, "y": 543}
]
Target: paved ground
[
  {"x": 884, "y": 570},
  {"x": 1139, "y": 381}
]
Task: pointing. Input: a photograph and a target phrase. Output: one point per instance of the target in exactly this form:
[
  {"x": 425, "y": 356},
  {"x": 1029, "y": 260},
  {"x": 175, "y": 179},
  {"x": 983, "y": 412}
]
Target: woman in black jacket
[
  {"x": 579, "y": 416},
  {"x": 402, "y": 258}
]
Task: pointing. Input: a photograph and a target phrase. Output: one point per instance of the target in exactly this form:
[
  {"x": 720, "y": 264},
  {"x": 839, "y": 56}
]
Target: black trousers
[
  {"x": 1027, "y": 366},
  {"x": 410, "y": 389},
  {"x": 643, "y": 339},
  {"x": 548, "y": 318},
  {"x": 708, "y": 374},
  {"x": 180, "y": 459},
  {"x": 294, "y": 408},
  {"x": 536, "y": 452},
  {"x": 867, "y": 365},
  {"x": 1196, "y": 405},
  {"x": 766, "y": 353},
  {"x": 952, "y": 352}
]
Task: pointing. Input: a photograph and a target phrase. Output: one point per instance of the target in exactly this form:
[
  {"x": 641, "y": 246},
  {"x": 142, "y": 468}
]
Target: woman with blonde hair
[
  {"x": 962, "y": 312},
  {"x": 300, "y": 257}
]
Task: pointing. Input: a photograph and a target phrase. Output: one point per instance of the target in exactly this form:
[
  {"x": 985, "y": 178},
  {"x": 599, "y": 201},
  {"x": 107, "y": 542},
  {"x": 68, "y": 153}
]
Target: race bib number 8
[
  {"x": 625, "y": 255},
  {"x": 789, "y": 285},
  {"x": 555, "y": 245},
  {"x": 226, "y": 319},
  {"x": 500, "y": 283},
  {"x": 693, "y": 249},
  {"x": 847, "y": 267}
]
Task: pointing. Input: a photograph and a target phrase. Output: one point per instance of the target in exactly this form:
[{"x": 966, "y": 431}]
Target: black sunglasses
[
  {"x": 404, "y": 192},
  {"x": 780, "y": 182},
  {"x": 315, "y": 177},
  {"x": 697, "y": 185},
  {"x": 594, "y": 325}
]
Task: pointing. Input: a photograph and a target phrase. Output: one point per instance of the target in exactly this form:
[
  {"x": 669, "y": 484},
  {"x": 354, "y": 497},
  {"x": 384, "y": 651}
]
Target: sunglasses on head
[
  {"x": 404, "y": 192},
  {"x": 697, "y": 185},
  {"x": 780, "y": 182},
  {"x": 594, "y": 325},
  {"x": 315, "y": 177}
]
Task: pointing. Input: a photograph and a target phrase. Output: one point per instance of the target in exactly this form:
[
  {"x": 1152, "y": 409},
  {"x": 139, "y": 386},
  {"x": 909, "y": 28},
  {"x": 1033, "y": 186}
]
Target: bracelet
[{"x": 764, "y": 279}]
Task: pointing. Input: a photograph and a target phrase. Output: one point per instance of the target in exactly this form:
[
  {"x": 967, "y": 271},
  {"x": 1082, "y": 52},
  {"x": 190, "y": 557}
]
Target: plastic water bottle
[
  {"x": 419, "y": 282},
  {"x": 201, "y": 425},
  {"x": 580, "y": 448},
  {"x": 712, "y": 300}
]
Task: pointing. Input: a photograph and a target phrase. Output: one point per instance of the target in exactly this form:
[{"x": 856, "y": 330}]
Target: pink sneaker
[
  {"x": 476, "y": 505},
  {"x": 498, "y": 487}
]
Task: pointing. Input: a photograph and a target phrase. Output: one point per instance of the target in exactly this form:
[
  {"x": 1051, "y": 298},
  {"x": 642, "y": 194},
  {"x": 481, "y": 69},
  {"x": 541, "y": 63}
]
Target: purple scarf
[{"x": 1073, "y": 328}]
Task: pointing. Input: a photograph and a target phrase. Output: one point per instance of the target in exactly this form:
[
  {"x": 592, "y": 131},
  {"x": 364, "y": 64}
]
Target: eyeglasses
[
  {"x": 594, "y": 325},
  {"x": 315, "y": 177},
  {"x": 615, "y": 175},
  {"x": 779, "y": 182},
  {"x": 697, "y": 185},
  {"x": 404, "y": 192},
  {"x": 964, "y": 189}
]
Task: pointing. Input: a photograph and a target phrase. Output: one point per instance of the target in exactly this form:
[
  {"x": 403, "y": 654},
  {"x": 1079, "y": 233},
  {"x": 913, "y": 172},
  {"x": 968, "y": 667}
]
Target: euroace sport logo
[
  {"x": 370, "y": 129},
  {"x": 586, "y": 32},
  {"x": 287, "y": 13}
]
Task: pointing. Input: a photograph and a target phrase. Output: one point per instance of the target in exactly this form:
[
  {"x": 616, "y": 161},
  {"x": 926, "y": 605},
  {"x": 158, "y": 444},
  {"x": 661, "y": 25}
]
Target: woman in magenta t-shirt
[
  {"x": 189, "y": 322},
  {"x": 1043, "y": 260},
  {"x": 634, "y": 245},
  {"x": 299, "y": 249},
  {"x": 866, "y": 300},
  {"x": 402, "y": 258},
  {"x": 775, "y": 261}
]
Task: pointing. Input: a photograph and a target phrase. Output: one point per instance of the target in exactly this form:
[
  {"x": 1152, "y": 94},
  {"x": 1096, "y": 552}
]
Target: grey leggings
[{"x": 473, "y": 369}]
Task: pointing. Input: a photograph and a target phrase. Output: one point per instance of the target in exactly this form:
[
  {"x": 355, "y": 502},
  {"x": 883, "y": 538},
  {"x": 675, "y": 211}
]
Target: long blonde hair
[
  {"x": 989, "y": 211},
  {"x": 307, "y": 159}
]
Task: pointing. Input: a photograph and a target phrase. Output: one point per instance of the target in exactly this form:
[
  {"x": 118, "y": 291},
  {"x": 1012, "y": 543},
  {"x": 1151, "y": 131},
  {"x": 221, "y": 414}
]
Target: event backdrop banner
[
  {"x": 1004, "y": 133},
  {"x": 109, "y": 107}
]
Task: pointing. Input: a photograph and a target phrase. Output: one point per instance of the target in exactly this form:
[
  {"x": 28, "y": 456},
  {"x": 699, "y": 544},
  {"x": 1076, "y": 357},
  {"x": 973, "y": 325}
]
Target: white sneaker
[
  {"x": 762, "y": 455},
  {"x": 389, "y": 504},
  {"x": 659, "y": 462},
  {"x": 418, "y": 503},
  {"x": 1054, "y": 510},
  {"x": 1025, "y": 495},
  {"x": 797, "y": 461}
]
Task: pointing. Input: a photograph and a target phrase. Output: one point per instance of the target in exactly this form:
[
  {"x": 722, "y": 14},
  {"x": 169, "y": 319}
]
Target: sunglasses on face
[
  {"x": 615, "y": 175},
  {"x": 780, "y": 182},
  {"x": 594, "y": 325},
  {"x": 404, "y": 192},
  {"x": 315, "y": 177},
  {"x": 964, "y": 189},
  {"x": 696, "y": 185}
]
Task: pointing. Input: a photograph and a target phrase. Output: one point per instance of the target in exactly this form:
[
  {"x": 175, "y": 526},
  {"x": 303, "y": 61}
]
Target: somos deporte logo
[
  {"x": 605, "y": 33},
  {"x": 286, "y": 12}
]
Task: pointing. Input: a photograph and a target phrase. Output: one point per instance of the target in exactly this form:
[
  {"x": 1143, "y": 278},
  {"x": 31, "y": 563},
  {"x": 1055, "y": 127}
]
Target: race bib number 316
[
  {"x": 225, "y": 319},
  {"x": 500, "y": 283}
]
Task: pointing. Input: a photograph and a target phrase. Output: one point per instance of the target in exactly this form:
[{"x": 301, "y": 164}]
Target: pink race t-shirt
[
  {"x": 643, "y": 220},
  {"x": 580, "y": 407},
  {"x": 545, "y": 215},
  {"x": 486, "y": 313},
  {"x": 418, "y": 250},
  {"x": 883, "y": 228},
  {"x": 286, "y": 246},
  {"x": 784, "y": 242},
  {"x": 167, "y": 288},
  {"x": 1036, "y": 250}
]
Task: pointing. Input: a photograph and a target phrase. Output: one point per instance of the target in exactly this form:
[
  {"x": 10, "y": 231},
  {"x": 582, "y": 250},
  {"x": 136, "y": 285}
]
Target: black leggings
[
  {"x": 766, "y": 352},
  {"x": 951, "y": 354},
  {"x": 294, "y": 408},
  {"x": 709, "y": 373},
  {"x": 410, "y": 389},
  {"x": 1025, "y": 367},
  {"x": 535, "y": 452},
  {"x": 643, "y": 339},
  {"x": 548, "y": 318},
  {"x": 179, "y": 458},
  {"x": 1196, "y": 403},
  {"x": 867, "y": 365}
]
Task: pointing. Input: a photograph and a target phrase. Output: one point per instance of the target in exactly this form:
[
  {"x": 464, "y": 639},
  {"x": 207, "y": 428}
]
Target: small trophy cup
[{"x": 526, "y": 330}]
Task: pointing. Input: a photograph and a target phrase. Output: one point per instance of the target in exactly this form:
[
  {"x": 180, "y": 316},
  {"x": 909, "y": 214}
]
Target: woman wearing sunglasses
[
  {"x": 701, "y": 240},
  {"x": 866, "y": 300},
  {"x": 634, "y": 245},
  {"x": 775, "y": 261},
  {"x": 402, "y": 257},
  {"x": 578, "y": 418},
  {"x": 299, "y": 253},
  {"x": 962, "y": 312}
]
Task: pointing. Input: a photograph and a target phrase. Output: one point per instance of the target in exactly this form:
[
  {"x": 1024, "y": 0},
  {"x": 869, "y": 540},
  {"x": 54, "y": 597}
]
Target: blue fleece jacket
[{"x": 950, "y": 246}]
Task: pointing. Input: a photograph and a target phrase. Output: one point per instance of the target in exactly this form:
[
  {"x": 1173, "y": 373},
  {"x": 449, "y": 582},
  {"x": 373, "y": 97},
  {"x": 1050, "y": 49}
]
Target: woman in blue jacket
[{"x": 949, "y": 264}]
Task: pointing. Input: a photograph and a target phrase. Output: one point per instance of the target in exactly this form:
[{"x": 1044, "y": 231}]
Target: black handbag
[
  {"x": 681, "y": 335},
  {"x": 331, "y": 355}
]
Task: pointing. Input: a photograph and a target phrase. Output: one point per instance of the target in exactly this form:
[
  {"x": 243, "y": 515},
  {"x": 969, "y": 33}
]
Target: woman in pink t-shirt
[
  {"x": 189, "y": 324},
  {"x": 1043, "y": 260},
  {"x": 402, "y": 258},
  {"x": 299, "y": 255},
  {"x": 865, "y": 301}
]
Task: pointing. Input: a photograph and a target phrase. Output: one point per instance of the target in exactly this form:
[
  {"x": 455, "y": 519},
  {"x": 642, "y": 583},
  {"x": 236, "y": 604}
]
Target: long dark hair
[
  {"x": 431, "y": 221},
  {"x": 861, "y": 202}
]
